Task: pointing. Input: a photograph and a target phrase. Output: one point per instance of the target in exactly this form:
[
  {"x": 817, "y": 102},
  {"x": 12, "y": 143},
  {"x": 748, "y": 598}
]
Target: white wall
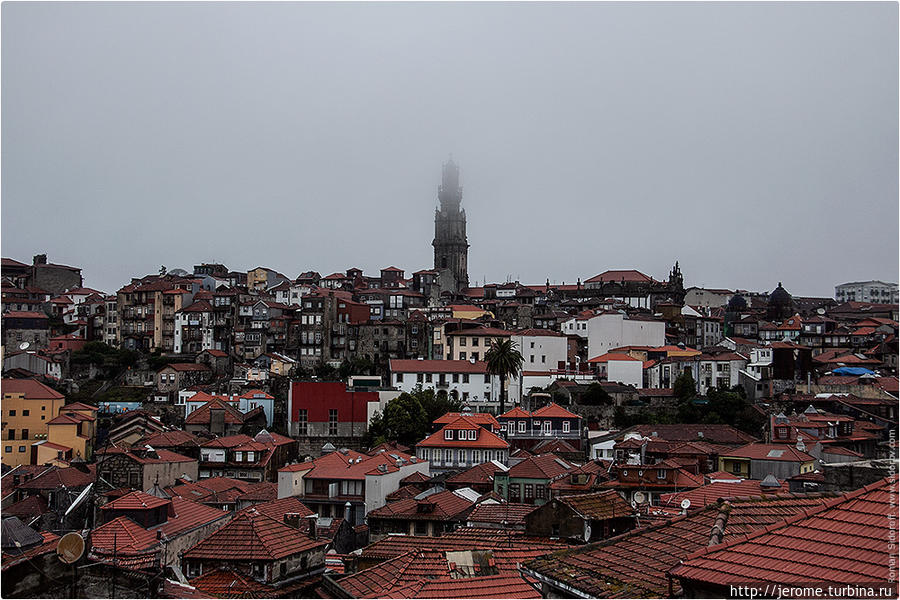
[
  {"x": 378, "y": 486},
  {"x": 609, "y": 331},
  {"x": 476, "y": 388},
  {"x": 290, "y": 483},
  {"x": 629, "y": 372}
]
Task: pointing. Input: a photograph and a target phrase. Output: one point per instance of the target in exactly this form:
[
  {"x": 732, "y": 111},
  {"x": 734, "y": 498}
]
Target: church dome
[
  {"x": 736, "y": 304},
  {"x": 781, "y": 304}
]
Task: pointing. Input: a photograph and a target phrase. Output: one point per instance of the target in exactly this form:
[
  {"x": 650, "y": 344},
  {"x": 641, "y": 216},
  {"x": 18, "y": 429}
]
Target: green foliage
[
  {"x": 407, "y": 418},
  {"x": 595, "y": 395},
  {"x": 503, "y": 360},
  {"x": 684, "y": 387},
  {"x": 102, "y": 355}
]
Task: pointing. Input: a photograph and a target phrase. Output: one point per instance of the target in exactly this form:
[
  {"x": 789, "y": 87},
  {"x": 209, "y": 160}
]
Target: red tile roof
[
  {"x": 493, "y": 586},
  {"x": 411, "y": 568},
  {"x": 612, "y": 276},
  {"x": 612, "y": 356},
  {"x": 779, "y": 452},
  {"x": 598, "y": 506},
  {"x": 170, "y": 439},
  {"x": 500, "y": 512},
  {"x": 352, "y": 465},
  {"x": 479, "y": 474},
  {"x": 479, "y": 418},
  {"x": 516, "y": 412},
  {"x": 464, "y": 538},
  {"x": 443, "y": 506},
  {"x": 252, "y": 536},
  {"x": 227, "y": 583},
  {"x": 27, "y": 509},
  {"x": 202, "y": 414},
  {"x": 70, "y": 477},
  {"x": 844, "y": 540},
  {"x": 713, "y": 492},
  {"x": 554, "y": 410},
  {"x": 634, "y": 564},
  {"x": 437, "y": 366},
  {"x": 484, "y": 438},
  {"x": 545, "y": 466},
  {"x": 135, "y": 500},
  {"x": 189, "y": 515},
  {"x": 716, "y": 434},
  {"x": 30, "y": 388},
  {"x": 276, "y": 509},
  {"x": 122, "y": 535}
]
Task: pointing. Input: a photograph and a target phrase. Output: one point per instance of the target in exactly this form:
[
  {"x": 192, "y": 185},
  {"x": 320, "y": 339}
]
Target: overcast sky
[{"x": 754, "y": 143}]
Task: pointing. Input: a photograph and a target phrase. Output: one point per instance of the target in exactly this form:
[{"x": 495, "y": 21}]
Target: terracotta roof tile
[
  {"x": 252, "y": 536},
  {"x": 634, "y": 564},
  {"x": 841, "y": 541},
  {"x": 500, "y": 512},
  {"x": 136, "y": 500}
]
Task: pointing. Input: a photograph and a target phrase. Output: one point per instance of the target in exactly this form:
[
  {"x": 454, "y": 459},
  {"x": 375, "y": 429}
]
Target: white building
[
  {"x": 613, "y": 330},
  {"x": 467, "y": 378},
  {"x": 620, "y": 368},
  {"x": 867, "y": 291},
  {"x": 245, "y": 402}
]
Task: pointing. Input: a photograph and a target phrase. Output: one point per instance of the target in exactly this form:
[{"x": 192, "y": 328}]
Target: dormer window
[
  {"x": 251, "y": 456},
  {"x": 782, "y": 432},
  {"x": 448, "y": 434},
  {"x": 660, "y": 473},
  {"x": 473, "y": 434},
  {"x": 238, "y": 456}
]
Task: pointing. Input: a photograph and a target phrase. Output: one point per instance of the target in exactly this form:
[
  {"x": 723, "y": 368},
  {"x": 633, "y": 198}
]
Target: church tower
[{"x": 451, "y": 248}]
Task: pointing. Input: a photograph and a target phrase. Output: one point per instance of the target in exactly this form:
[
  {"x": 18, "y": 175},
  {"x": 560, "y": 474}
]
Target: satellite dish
[
  {"x": 70, "y": 548},
  {"x": 685, "y": 504},
  {"x": 587, "y": 532},
  {"x": 24, "y": 346},
  {"x": 820, "y": 311},
  {"x": 639, "y": 497}
]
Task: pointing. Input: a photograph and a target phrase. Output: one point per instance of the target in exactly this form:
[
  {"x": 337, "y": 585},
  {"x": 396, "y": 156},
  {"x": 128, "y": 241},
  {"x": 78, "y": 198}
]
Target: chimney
[
  {"x": 292, "y": 519},
  {"x": 40, "y": 259},
  {"x": 313, "y": 519},
  {"x": 347, "y": 508}
]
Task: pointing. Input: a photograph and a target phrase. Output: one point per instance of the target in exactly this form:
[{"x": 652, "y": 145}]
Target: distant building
[
  {"x": 878, "y": 292},
  {"x": 451, "y": 247}
]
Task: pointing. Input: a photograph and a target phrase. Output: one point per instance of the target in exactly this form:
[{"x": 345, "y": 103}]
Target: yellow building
[
  {"x": 467, "y": 311},
  {"x": 468, "y": 344},
  {"x": 72, "y": 432},
  {"x": 28, "y": 406}
]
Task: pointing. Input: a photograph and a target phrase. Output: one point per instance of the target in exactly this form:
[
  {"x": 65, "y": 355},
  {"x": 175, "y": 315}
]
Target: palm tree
[{"x": 503, "y": 360}]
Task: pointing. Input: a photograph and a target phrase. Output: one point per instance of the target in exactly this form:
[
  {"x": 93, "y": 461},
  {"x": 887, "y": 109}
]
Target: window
[
  {"x": 475, "y": 356},
  {"x": 566, "y": 427},
  {"x": 12, "y": 413},
  {"x": 514, "y": 492},
  {"x": 660, "y": 473},
  {"x": 238, "y": 456},
  {"x": 465, "y": 378},
  {"x": 420, "y": 377},
  {"x": 476, "y": 457},
  {"x": 529, "y": 492},
  {"x": 448, "y": 434},
  {"x": 7, "y": 448},
  {"x": 21, "y": 448},
  {"x": 448, "y": 456},
  {"x": 302, "y": 422},
  {"x": 11, "y": 435},
  {"x": 487, "y": 378},
  {"x": 251, "y": 457},
  {"x": 462, "y": 356},
  {"x": 473, "y": 434},
  {"x": 543, "y": 358},
  {"x": 428, "y": 378},
  {"x": 332, "y": 421},
  {"x": 456, "y": 378},
  {"x": 24, "y": 434},
  {"x": 532, "y": 345},
  {"x": 548, "y": 427},
  {"x": 462, "y": 341},
  {"x": 399, "y": 377},
  {"x": 26, "y": 412},
  {"x": 421, "y": 528},
  {"x": 521, "y": 426},
  {"x": 541, "y": 491},
  {"x": 531, "y": 358},
  {"x": 474, "y": 341}
]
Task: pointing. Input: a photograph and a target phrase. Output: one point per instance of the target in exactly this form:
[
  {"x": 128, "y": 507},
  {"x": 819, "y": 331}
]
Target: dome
[
  {"x": 781, "y": 305},
  {"x": 736, "y": 304}
]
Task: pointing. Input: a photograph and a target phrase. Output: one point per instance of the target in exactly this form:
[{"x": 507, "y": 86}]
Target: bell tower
[{"x": 451, "y": 248}]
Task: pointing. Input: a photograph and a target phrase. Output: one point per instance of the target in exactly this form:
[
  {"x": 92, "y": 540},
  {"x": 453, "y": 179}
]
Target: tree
[
  {"x": 405, "y": 420},
  {"x": 595, "y": 395},
  {"x": 504, "y": 360},
  {"x": 684, "y": 387}
]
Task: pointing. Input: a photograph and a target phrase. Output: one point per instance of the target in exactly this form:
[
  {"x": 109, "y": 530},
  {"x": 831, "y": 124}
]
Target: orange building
[{"x": 28, "y": 407}]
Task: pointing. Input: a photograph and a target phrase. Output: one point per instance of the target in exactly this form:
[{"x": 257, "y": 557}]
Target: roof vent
[{"x": 770, "y": 482}]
